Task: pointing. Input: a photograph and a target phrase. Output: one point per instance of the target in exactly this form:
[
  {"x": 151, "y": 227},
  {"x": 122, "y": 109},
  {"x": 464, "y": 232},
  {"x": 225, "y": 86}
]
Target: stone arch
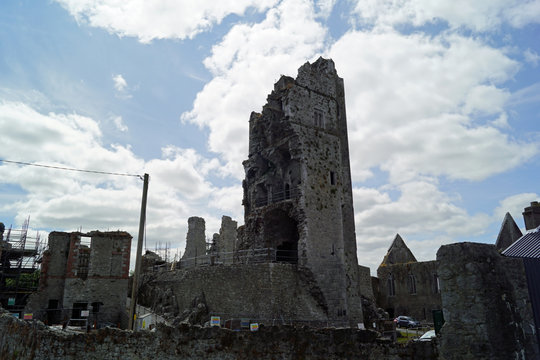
[{"x": 281, "y": 233}]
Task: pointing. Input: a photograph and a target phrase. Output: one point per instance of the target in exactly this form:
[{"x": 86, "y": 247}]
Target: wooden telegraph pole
[{"x": 138, "y": 260}]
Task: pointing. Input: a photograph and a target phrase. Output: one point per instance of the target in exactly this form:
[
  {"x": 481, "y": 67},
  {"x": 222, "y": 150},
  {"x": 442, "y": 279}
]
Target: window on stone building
[
  {"x": 412, "y": 284},
  {"x": 318, "y": 118},
  {"x": 84, "y": 261},
  {"x": 332, "y": 178},
  {"x": 287, "y": 191},
  {"x": 436, "y": 284},
  {"x": 390, "y": 283}
]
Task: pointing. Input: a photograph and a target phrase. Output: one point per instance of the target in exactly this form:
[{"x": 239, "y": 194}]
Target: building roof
[
  {"x": 398, "y": 253},
  {"x": 527, "y": 246},
  {"x": 508, "y": 234}
]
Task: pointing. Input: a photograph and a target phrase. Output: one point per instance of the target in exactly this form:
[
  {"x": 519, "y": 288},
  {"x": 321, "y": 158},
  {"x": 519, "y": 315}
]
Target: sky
[{"x": 443, "y": 110}]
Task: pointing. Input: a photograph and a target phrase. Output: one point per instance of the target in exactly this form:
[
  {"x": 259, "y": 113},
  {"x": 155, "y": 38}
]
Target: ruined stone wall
[
  {"x": 25, "y": 341},
  {"x": 485, "y": 303},
  {"x": 268, "y": 292},
  {"x": 195, "y": 239},
  {"x": 53, "y": 276},
  {"x": 77, "y": 273},
  {"x": 227, "y": 238},
  {"x": 297, "y": 191},
  {"x": 364, "y": 282},
  {"x": 418, "y": 301}
]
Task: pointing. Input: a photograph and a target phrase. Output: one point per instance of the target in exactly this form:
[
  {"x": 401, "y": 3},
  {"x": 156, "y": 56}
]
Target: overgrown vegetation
[{"x": 30, "y": 280}]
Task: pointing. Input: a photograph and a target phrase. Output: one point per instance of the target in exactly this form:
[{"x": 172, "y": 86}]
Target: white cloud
[
  {"x": 245, "y": 64},
  {"x": 119, "y": 123},
  {"x": 65, "y": 200},
  {"x": 325, "y": 7},
  {"x": 422, "y": 214},
  {"x": 514, "y": 205},
  {"x": 158, "y": 19},
  {"x": 531, "y": 57},
  {"x": 475, "y": 15},
  {"x": 120, "y": 84},
  {"x": 413, "y": 101}
]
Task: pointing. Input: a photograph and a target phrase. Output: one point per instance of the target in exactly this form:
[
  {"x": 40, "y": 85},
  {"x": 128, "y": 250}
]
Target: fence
[
  {"x": 242, "y": 321},
  {"x": 251, "y": 256},
  {"x": 277, "y": 196}
]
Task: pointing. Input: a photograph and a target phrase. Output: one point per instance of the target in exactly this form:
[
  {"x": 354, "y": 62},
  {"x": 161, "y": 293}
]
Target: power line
[{"x": 70, "y": 169}]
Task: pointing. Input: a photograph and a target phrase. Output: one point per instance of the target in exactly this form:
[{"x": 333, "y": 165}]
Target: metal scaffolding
[{"x": 19, "y": 266}]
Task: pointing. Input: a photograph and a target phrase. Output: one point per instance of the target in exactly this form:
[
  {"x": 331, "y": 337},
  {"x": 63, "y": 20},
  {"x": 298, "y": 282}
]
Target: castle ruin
[
  {"x": 295, "y": 257},
  {"x": 297, "y": 190}
]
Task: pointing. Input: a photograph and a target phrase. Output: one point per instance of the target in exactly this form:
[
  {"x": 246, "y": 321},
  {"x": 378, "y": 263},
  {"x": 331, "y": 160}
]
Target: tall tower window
[
  {"x": 332, "y": 178},
  {"x": 436, "y": 284},
  {"x": 318, "y": 118},
  {"x": 412, "y": 284},
  {"x": 390, "y": 283}
]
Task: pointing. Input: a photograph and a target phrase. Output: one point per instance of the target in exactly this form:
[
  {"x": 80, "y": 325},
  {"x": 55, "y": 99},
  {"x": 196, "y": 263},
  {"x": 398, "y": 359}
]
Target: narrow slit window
[
  {"x": 318, "y": 119},
  {"x": 332, "y": 178}
]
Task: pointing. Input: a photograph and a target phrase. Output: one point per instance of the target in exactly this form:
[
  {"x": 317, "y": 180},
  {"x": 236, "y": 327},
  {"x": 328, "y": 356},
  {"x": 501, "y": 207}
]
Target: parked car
[
  {"x": 428, "y": 336},
  {"x": 406, "y": 321}
]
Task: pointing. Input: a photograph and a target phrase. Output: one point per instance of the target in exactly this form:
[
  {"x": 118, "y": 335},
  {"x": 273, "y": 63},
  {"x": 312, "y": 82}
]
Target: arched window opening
[
  {"x": 436, "y": 284},
  {"x": 281, "y": 233},
  {"x": 412, "y": 284},
  {"x": 261, "y": 195},
  {"x": 390, "y": 283}
]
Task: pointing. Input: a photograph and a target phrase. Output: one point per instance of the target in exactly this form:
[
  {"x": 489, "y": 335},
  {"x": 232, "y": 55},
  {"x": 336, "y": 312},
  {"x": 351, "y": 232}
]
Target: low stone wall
[
  {"x": 22, "y": 340},
  {"x": 270, "y": 293}
]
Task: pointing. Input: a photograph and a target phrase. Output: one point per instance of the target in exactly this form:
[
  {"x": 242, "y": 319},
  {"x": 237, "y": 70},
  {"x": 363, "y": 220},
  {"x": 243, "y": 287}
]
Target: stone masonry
[
  {"x": 33, "y": 341},
  {"x": 531, "y": 215},
  {"x": 83, "y": 271},
  {"x": 297, "y": 189},
  {"x": 406, "y": 286},
  {"x": 226, "y": 241},
  {"x": 486, "y": 305},
  {"x": 195, "y": 240}
]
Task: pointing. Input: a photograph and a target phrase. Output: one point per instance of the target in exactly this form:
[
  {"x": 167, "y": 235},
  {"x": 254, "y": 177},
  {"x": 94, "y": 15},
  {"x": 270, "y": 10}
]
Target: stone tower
[{"x": 297, "y": 190}]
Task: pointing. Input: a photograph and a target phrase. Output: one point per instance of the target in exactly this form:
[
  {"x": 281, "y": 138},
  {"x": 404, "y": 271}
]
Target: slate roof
[{"x": 527, "y": 246}]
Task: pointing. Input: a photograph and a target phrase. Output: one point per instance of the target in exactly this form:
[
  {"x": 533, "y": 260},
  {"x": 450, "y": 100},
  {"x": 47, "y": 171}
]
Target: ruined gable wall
[
  {"x": 485, "y": 303},
  {"x": 419, "y": 304}
]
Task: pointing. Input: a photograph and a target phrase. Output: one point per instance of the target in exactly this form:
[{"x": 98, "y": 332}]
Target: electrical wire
[{"x": 71, "y": 169}]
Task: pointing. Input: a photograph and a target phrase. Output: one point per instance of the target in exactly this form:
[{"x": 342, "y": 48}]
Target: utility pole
[{"x": 138, "y": 260}]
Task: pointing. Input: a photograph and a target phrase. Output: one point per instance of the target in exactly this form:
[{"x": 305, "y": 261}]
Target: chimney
[{"x": 531, "y": 215}]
